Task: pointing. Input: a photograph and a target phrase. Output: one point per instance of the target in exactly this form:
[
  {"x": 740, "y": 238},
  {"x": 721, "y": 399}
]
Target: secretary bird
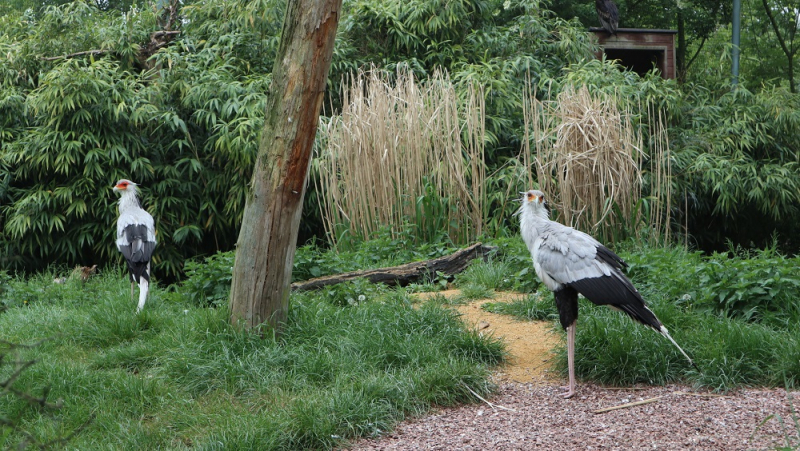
[
  {"x": 136, "y": 238},
  {"x": 569, "y": 262}
]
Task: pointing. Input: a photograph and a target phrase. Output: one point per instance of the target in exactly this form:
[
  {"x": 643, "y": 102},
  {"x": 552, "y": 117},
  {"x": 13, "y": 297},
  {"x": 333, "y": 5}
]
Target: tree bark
[
  {"x": 266, "y": 244},
  {"x": 680, "y": 52}
]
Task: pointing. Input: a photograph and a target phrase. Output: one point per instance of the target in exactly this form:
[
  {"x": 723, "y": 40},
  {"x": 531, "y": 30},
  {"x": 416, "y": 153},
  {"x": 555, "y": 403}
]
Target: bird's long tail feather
[
  {"x": 144, "y": 287},
  {"x": 665, "y": 333}
]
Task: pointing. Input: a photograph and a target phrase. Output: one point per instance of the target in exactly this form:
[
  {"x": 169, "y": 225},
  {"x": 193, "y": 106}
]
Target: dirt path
[
  {"x": 527, "y": 413},
  {"x": 529, "y": 343}
]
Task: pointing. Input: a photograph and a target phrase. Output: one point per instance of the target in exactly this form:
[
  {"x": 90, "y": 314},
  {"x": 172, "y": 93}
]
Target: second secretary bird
[
  {"x": 136, "y": 238},
  {"x": 569, "y": 262}
]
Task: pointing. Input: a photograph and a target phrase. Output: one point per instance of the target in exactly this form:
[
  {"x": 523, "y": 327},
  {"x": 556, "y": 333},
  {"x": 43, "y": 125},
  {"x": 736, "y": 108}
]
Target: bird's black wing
[
  {"x": 615, "y": 290},
  {"x": 139, "y": 248}
]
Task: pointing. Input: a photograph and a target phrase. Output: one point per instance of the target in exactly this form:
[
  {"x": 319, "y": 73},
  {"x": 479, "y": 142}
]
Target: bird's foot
[{"x": 570, "y": 392}]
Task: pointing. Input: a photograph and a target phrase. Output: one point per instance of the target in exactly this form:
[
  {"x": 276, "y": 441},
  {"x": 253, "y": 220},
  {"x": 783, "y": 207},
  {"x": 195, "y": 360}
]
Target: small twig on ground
[
  {"x": 707, "y": 395},
  {"x": 624, "y": 388},
  {"x": 630, "y": 404},
  {"x": 487, "y": 402}
]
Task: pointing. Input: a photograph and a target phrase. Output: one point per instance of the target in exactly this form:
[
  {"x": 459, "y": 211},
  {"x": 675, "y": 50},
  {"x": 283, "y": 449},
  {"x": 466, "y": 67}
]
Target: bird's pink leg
[{"x": 571, "y": 360}]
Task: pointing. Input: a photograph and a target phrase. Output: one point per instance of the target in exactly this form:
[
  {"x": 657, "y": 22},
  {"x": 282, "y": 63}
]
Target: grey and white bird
[
  {"x": 136, "y": 238},
  {"x": 569, "y": 262},
  {"x": 608, "y": 14}
]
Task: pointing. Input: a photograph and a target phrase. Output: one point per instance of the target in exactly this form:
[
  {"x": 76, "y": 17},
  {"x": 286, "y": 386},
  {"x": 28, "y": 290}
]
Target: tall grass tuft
[
  {"x": 588, "y": 157},
  {"x": 403, "y": 152}
]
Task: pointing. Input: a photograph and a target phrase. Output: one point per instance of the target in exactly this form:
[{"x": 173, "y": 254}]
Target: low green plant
[
  {"x": 353, "y": 292},
  {"x": 472, "y": 292},
  {"x": 493, "y": 274},
  {"x": 431, "y": 282},
  {"x": 531, "y": 307},
  {"x": 209, "y": 282},
  {"x": 516, "y": 259},
  {"x": 756, "y": 286}
]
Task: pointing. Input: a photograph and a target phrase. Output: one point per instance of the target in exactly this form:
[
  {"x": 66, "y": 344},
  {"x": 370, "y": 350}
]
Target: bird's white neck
[
  {"x": 128, "y": 200},
  {"x": 531, "y": 219},
  {"x": 531, "y": 210}
]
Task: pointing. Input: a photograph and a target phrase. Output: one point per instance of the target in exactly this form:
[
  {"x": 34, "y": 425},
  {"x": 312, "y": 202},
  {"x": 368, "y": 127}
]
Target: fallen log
[{"x": 404, "y": 274}]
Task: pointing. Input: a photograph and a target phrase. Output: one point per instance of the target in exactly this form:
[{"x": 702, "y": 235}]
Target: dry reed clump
[
  {"x": 403, "y": 152},
  {"x": 588, "y": 158}
]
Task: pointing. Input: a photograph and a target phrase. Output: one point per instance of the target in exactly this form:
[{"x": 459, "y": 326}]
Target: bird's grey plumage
[{"x": 569, "y": 262}]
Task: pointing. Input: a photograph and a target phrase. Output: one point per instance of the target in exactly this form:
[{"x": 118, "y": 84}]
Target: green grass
[
  {"x": 531, "y": 307},
  {"x": 177, "y": 375}
]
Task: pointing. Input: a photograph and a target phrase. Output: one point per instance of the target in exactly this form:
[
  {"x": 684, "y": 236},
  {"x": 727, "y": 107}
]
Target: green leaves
[
  {"x": 764, "y": 286},
  {"x": 186, "y": 132},
  {"x": 736, "y": 153}
]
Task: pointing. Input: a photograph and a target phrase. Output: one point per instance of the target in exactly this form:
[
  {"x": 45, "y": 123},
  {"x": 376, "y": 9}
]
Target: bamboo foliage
[
  {"x": 587, "y": 156},
  {"x": 403, "y": 152}
]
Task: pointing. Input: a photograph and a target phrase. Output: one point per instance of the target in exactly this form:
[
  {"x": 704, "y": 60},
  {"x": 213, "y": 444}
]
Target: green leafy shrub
[
  {"x": 759, "y": 285},
  {"x": 209, "y": 283},
  {"x": 763, "y": 286},
  {"x": 735, "y": 156}
]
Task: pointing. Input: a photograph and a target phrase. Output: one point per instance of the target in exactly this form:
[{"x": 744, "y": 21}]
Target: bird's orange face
[
  {"x": 532, "y": 196},
  {"x": 123, "y": 185}
]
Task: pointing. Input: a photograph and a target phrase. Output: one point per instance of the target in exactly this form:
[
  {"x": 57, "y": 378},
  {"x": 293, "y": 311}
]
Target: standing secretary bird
[
  {"x": 136, "y": 238},
  {"x": 569, "y": 262}
]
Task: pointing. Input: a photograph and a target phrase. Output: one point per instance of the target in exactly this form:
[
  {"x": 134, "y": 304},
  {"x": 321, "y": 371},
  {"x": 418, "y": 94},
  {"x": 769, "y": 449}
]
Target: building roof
[{"x": 636, "y": 30}]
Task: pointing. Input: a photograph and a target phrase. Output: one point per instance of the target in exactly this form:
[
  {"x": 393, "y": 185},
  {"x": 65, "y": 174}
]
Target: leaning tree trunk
[{"x": 266, "y": 245}]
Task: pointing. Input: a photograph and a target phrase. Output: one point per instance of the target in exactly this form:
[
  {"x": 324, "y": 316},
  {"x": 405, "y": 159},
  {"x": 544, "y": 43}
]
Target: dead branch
[{"x": 404, "y": 274}]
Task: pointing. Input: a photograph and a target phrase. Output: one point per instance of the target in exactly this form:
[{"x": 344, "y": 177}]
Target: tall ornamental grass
[
  {"x": 403, "y": 152},
  {"x": 587, "y": 156}
]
